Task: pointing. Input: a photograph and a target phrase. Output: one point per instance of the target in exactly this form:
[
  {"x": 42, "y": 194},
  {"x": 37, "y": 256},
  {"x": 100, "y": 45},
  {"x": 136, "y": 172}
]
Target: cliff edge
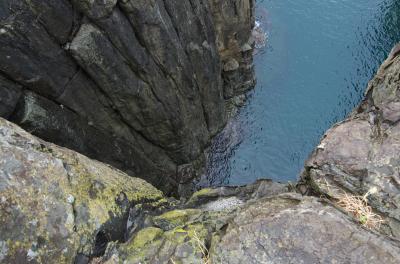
[{"x": 141, "y": 85}]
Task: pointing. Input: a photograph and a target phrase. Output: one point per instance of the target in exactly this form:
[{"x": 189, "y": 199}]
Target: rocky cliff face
[
  {"x": 117, "y": 80},
  {"x": 57, "y": 206},
  {"x": 271, "y": 223},
  {"x": 142, "y": 85},
  {"x": 361, "y": 153}
]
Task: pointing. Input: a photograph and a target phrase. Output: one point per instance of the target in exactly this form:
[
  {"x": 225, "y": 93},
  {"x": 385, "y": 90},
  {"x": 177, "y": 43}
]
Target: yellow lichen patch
[
  {"x": 197, "y": 230},
  {"x": 202, "y": 193},
  {"x": 146, "y": 236},
  {"x": 143, "y": 246},
  {"x": 97, "y": 187},
  {"x": 190, "y": 233},
  {"x": 57, "y": 200},
  {"x": 177, "y": 235},
  {"x": 175, "y": 218}
]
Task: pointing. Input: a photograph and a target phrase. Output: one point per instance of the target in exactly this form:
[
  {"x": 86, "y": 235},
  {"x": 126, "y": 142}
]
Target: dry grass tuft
[
  {"x": 203, "y": 249},
  {"x": 96, "y": 261},
  {"x": 359, "y": 208}
]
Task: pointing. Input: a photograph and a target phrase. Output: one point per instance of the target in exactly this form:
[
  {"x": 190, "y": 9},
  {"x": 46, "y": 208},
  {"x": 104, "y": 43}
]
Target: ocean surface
[{"x": 319, "y": 57}]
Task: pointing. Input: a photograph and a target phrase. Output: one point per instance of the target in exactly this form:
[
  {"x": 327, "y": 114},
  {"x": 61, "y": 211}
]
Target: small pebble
[{"x": 71, "y": 199}]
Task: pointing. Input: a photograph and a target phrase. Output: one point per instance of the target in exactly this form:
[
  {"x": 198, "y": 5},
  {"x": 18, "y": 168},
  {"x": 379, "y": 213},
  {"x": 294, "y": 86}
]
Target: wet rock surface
[
  {"x": 361, "y": 154},
  {"x": 126, "y": 71}
]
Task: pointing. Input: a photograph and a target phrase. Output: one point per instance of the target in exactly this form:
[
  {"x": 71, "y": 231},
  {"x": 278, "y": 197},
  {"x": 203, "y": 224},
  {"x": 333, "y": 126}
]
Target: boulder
[
  {"x": 57, "y": 205},
  {"x": 281, "y": 228},
  {"x": 360, "y": 155},
  {"x": 292, "y": 229}
]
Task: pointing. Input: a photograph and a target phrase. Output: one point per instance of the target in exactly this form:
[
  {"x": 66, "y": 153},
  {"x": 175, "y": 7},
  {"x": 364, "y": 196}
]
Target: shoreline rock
[{"x": 360, "y": 153}]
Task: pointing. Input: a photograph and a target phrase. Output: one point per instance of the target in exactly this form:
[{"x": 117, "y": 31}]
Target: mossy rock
[
  {"x": 54, "y": 201},
  {"x": 203, "y": 194},
  {"x": 175, "y": 218},
  {"x": 151, "y": 245}
]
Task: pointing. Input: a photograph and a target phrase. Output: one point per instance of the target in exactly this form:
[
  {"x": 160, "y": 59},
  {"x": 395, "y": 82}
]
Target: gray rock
[
  {"x": 234, "y": 21},
  {"x": 291, "y": 229},
  {"x": 57, "y": 122},
  {"x": 9, "y": 96},
  {"x": 95, "y": 9},
  {"x": 231, "y": 65},
  {"x": 283, "y": 228},
  {"x": 361, "y": 153},
  {"x": 57, "y": 205}
]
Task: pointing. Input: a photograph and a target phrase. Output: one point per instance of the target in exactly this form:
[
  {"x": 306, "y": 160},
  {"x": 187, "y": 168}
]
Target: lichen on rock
[{"x": 55, "y": 201}]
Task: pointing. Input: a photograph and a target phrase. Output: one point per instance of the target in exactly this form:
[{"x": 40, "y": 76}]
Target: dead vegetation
[
  {"x": 358, "y": 207},
  {"x": 203, "y": 249}
]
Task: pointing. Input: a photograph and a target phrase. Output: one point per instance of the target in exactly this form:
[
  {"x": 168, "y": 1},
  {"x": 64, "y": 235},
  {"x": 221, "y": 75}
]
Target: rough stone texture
[
  {"x": 283, "y": 228},
  {"x": 126, "y": 71},
  {"x": 9, "y": 96},
  {"x": 362, "y": 153},
  {"x": 185, "y": 234},
  {"x": 290, "y": 229},
  {"x": 260, "y": 223},
  {"x": 234, "y": 19},
  {"x": 57, "y": 206}
]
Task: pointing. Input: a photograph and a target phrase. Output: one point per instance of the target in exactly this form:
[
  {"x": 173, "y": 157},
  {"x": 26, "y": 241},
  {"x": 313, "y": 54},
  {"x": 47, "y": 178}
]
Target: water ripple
[{"x": 318, "y": 60}]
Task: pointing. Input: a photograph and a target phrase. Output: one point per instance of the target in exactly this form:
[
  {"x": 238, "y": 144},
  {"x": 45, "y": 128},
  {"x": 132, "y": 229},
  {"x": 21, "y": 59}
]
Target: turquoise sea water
[{"x": 314, "y": 70}]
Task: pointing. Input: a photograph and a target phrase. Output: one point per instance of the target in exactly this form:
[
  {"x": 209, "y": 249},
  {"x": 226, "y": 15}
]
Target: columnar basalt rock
[{"x": 146, "y": 89}]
